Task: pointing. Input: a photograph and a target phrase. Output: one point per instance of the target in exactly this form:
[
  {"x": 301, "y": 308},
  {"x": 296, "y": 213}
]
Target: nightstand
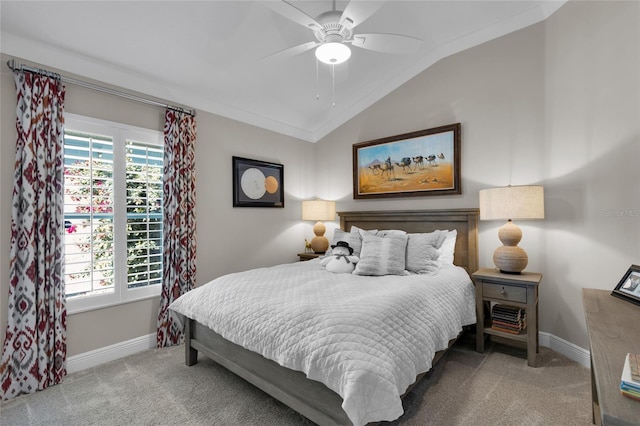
[
  {"x": 519, "y": 290},
  {"x": 308, "y": 256}
]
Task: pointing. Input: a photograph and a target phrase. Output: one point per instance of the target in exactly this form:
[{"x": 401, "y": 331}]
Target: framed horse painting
[{"x": 426, "y": 162}]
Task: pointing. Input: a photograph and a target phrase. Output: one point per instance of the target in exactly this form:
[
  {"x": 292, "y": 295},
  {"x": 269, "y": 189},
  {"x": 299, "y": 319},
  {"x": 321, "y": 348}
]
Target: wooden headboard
[{"x": 465, "y": 221}]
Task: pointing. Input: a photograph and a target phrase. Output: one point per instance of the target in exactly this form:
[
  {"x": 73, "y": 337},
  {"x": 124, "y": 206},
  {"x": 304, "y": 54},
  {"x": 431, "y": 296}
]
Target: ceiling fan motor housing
[{"x": 332, "y": 31}]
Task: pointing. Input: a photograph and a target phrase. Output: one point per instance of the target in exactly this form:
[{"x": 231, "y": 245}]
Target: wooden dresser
[{"x": 614, "y": 331}]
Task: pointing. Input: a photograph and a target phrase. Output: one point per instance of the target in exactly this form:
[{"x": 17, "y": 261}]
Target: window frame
[{"x": 120, "y": 133}]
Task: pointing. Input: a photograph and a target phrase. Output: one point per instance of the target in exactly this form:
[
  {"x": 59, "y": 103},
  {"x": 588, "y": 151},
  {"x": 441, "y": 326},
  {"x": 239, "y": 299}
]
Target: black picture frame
[
  {"x": 421, "y": 163},
  {"x": 257, "y": 183},
  {"x": 629, "y": 286}
]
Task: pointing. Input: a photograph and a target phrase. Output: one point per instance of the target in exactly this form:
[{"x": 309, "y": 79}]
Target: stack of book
[
  {"x": 509, "y": 319},
  {"x": 630, "y": 382}
]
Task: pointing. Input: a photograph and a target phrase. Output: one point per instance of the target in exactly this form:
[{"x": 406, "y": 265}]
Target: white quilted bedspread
[{"x": 366, "y": 338}]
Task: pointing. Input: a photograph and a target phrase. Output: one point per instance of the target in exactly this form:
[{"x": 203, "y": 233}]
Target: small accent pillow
[
  {"x": 448, "y": 248},
  {"x": 354, "y": 238},
  {"x": 382, "y": 255},
  {"x": 423, "y": 253}
]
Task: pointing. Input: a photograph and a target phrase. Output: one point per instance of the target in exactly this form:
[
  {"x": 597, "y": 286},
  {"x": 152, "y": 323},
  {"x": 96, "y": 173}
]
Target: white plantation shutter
[
  {"x": 88, "y": 213},
  {"x": 144, "y": 214},
  {"x": 113, "y": 213}
]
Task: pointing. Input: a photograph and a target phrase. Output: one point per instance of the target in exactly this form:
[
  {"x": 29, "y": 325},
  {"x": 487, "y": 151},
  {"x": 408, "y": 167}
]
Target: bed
[{"x": 309, "y": 397}]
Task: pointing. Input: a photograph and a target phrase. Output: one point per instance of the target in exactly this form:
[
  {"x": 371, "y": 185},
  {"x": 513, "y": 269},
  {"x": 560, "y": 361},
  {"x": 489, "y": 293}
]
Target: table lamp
[
  {"x": 319, "y": 210},
  {"x": 511, "y": 202}
]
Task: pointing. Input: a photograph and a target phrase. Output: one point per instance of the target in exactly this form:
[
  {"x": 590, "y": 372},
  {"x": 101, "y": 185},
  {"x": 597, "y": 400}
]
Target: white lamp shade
[
  {"x": 512, "y": 202},
  {"x": 333, "y": 53},
  {"x": 318, "y": 210}
]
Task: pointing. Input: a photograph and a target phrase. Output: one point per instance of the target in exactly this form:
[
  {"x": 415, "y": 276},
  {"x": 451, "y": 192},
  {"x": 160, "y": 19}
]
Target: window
[{"x": 112, "y": 212}]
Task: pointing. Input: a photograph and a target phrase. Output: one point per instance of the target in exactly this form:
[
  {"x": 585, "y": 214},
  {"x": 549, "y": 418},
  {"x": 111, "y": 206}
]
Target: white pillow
[
  {"x": 382, "y": 255},
  {"x": 422, "y": 252},
  {"x": 448, "y": 248}
]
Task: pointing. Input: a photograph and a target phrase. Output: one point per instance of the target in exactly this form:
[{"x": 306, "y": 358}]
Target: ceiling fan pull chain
[
  {"x": 317, "y": 81},
  {"x": 333, "y": 83}
]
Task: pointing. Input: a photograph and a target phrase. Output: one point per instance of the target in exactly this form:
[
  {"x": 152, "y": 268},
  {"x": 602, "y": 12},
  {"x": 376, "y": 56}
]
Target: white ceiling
[{"x": 210, "y": 55}]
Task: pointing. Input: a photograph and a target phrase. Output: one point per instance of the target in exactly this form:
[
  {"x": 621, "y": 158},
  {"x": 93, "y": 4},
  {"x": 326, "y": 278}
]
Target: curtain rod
[{"x": 17, "y": 66}]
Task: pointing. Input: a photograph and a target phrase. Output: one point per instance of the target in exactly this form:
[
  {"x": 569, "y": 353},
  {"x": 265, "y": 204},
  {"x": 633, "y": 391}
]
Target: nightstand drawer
[{"x": 508, "y": 293}]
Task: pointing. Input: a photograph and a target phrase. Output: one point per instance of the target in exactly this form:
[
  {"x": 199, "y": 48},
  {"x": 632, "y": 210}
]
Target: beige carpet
[{"x": 156, "y": 388}]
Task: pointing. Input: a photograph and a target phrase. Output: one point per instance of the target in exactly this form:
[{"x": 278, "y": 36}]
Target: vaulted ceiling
[{"x": 216, "y": 55}]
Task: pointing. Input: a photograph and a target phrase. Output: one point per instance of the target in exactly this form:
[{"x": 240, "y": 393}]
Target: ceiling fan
[{"x": 334, "y": 29}]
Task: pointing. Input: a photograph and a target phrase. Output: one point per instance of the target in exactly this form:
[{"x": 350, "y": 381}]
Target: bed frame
[{"x": 308, "y": 397}]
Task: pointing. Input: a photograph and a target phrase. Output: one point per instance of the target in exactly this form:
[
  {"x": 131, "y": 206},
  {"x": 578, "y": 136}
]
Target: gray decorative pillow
[
  {"x": 361, "y": 231},
  {"x": 354, "y": 238},
  {"x": 423, "y": 253},
  {"x": 382, "y": 255},
  {"x": 385, "y": 232}
]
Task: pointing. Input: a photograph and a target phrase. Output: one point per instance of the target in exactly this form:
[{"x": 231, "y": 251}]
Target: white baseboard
[
  {"x": 568, "y": 349},
  {"x": 119, "y": 350},
  {"x": 110, "y": 353}
]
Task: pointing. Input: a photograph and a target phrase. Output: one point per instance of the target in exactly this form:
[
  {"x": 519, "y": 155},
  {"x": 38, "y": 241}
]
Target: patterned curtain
[
  {"x": 179, "y": 227},
  {"x": 35, "y": 350}
]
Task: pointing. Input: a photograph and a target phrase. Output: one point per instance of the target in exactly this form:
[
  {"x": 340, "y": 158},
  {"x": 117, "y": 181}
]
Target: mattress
[{"x": 366, "y": 338}]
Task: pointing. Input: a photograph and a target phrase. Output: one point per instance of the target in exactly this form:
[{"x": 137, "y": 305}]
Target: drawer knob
[{"x": 502, "y": 291}]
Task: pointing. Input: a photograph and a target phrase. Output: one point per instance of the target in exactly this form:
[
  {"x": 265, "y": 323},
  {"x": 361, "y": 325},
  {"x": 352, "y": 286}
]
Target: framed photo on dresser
[{"x": 629, "y": 286}]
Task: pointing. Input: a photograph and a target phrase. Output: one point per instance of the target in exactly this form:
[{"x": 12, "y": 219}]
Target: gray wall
[
  {"x": 555, "y": 104},
  {"x": 229, "y": 239}
]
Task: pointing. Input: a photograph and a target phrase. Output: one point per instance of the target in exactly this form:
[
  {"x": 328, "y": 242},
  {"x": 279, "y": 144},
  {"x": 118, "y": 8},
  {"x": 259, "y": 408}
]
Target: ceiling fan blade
[
  {"x": 292, "y": 51},
  {"x": 293, "y": 13},
  {"x": 359, "y": 11},
  {"x": 387, "y": 43}
]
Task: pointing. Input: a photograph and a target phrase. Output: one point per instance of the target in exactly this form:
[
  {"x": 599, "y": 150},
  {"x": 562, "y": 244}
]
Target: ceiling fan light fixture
[{"x": 333, "y": 53}]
